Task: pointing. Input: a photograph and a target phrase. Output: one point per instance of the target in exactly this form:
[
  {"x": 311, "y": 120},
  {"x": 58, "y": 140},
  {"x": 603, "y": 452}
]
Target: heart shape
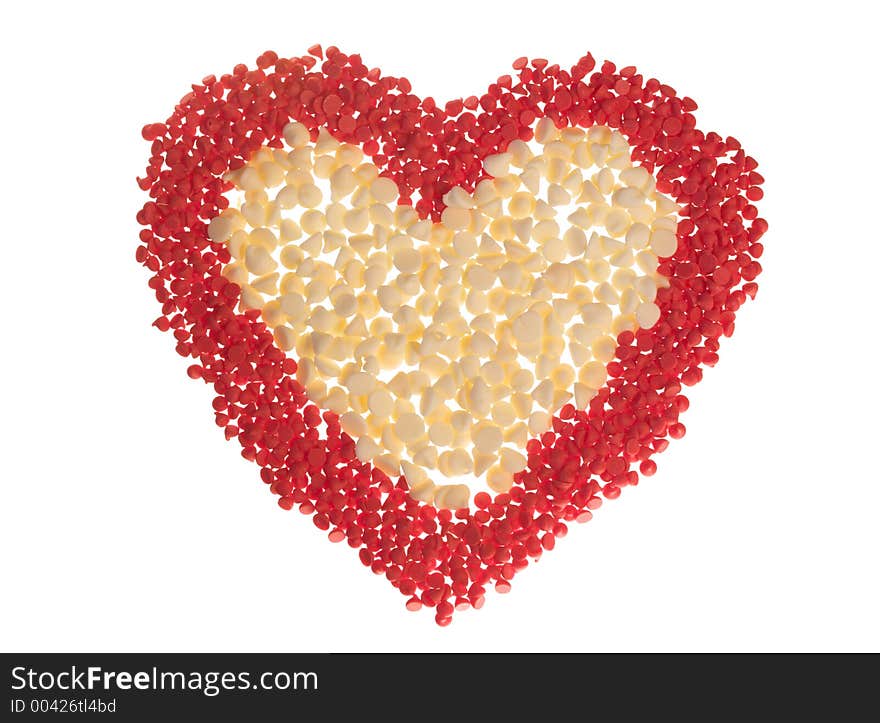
[
  {"x": 439, "y": 557},
  {"x": 504, "y": 309}
]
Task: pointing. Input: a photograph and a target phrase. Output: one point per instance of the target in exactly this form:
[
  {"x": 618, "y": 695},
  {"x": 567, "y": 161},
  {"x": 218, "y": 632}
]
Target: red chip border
[{"x": 438, "y": 558}]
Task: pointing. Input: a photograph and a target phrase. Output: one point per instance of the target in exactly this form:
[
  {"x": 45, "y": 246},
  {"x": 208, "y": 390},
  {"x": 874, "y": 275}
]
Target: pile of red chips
[{"x": 440, "y": 558}]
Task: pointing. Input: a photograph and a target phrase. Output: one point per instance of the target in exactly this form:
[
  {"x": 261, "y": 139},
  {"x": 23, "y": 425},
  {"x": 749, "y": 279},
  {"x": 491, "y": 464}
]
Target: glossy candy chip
[{"x": 431, "y": 318}]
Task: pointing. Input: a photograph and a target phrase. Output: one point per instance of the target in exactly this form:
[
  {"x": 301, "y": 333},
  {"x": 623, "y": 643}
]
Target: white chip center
[{"x": 444, "y": 347}]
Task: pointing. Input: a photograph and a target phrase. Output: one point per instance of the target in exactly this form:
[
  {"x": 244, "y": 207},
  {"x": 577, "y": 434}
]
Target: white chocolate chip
[
  {"x": 452, "y": 497},
  {"x": 663, "y": 242},
  {"x": 366, "y": 449},
  {"x": 296, "y": 135},
  {"x": 512, "y": 461},
  {"x": 539, "y": 422},
  {"x": 487, "y": 438},
  {"x": 647, "y": 314},
  {"x": 410, "y": 427}
]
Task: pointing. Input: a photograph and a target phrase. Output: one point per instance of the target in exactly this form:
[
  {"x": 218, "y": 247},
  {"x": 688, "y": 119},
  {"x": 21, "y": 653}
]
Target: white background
[{"x": 128, "y": 523}]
